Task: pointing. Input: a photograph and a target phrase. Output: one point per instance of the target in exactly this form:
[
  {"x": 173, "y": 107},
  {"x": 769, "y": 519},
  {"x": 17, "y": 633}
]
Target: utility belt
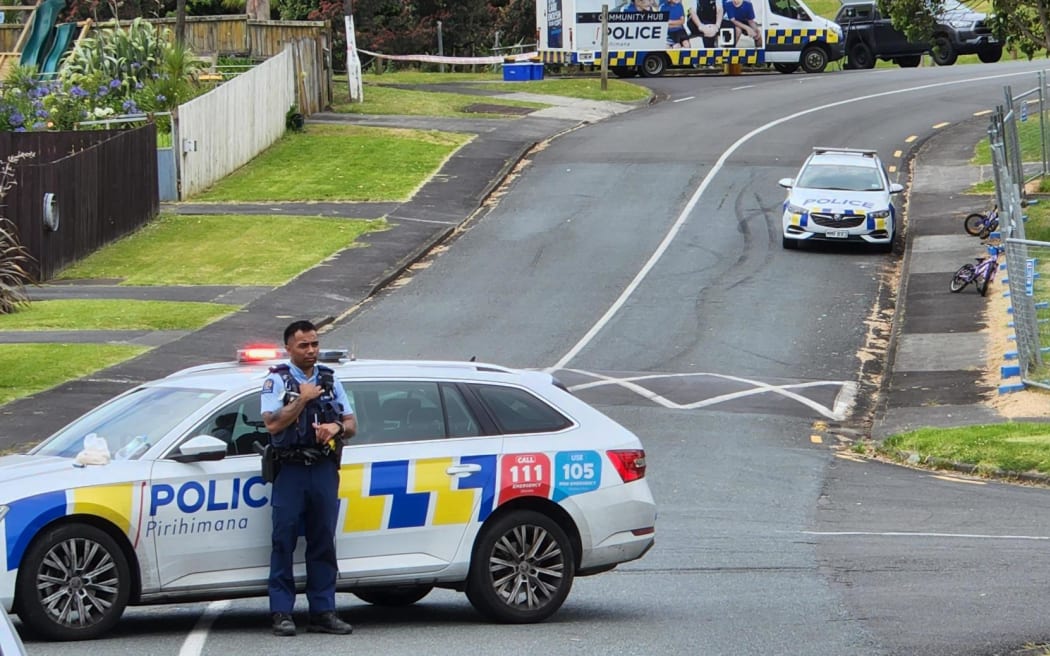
[{"x": 303, "y": 455}]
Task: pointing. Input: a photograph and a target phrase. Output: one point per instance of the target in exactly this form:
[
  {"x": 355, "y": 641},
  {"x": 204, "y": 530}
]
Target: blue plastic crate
[
  {"x": 517, "y": 72},
  {"x": 536, "y": 72}
]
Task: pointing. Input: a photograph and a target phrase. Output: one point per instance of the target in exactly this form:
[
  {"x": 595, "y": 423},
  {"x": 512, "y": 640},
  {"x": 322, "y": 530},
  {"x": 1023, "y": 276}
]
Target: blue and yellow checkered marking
[
  {"x": 800, "y": 36},
  {"x": 26, "y": 517},
  {"x": 412, "y": 494}
]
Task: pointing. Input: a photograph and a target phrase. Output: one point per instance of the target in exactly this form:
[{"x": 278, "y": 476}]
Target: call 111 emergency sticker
[
  {"x": 524, "y": 475},
  {"x": 576, "y": 472}
]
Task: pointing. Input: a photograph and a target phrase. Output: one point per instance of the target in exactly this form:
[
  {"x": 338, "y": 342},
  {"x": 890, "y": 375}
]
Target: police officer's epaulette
[{"x": 280, "y": 369}]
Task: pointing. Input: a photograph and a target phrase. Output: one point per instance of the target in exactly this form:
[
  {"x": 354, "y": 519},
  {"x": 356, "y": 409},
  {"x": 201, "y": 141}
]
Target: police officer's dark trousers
[{"x": 305, "y": 496}]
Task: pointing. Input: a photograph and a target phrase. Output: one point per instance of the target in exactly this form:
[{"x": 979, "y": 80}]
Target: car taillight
[{"x": 629, "y": 463}]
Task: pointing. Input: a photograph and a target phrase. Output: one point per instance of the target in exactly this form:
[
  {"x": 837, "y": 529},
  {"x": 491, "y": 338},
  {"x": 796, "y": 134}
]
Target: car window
[
  {"x": 239, "y": 424},
  {"x": 842, "y": 178},
  {"x": 143, "y": 416},
  {"x": 396, "y": 411},
  {"x": 517, "y": 411}
]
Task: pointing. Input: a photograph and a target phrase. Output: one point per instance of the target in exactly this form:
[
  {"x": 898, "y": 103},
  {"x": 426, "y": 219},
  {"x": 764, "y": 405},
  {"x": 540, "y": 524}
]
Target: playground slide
[
  {"x": 43, "y": 21},
  {"x": 64, "y": 34}
]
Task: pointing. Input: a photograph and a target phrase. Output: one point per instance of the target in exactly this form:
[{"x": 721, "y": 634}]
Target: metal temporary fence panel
[
  {"x": 1028, "y": 273},
  {"x": 225, "y": 128}
]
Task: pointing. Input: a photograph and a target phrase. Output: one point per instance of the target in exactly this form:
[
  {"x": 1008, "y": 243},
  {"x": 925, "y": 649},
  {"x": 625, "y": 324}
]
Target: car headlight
[
  {"x": 961, "y": 24},
  {"x": 795, "y": 209},
  {"x": 881, "y": 214}
]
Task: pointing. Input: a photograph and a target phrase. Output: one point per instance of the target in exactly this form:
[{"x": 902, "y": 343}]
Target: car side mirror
[
  {"x": 896, "y": 188},
  {"x": 786, "y": 183},
  {"x": 200, "y": 448}
]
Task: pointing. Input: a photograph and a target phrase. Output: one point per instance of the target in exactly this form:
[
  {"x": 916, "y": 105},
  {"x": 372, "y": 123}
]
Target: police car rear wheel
[
  {"x": 73, "y": 584},
  {"x": 393, "y": 596},
  {"x": 522, "y": 569}
]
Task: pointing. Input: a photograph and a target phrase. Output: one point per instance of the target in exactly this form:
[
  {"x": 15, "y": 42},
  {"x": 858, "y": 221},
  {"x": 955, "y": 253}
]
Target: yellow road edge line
[
  {"x": 941, "y": 125},
  {"x": 911, "y": 138},
  {"x": 816, "y": 439},
  {"x": 954, "y": 479}
]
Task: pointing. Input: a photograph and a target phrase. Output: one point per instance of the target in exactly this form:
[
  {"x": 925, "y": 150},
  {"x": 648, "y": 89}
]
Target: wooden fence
[
  {"x": 103, "y": 185},
  {"x": 228, "y": 126},
  {"x": 233, "y": 35}
]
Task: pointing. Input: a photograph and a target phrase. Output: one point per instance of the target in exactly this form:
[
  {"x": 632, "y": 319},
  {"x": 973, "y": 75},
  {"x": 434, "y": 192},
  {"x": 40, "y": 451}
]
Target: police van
[
  {"x": 647, "y": 38},
  {"x": 494, "y": 481}
]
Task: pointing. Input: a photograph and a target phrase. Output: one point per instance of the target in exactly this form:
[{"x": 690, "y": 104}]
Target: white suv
[
  {"x": 463, "y": 475},
  {"x": 840, "y": 195}
]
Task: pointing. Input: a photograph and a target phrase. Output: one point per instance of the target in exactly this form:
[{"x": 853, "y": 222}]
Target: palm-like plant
[{"x": 13, "y": 256}]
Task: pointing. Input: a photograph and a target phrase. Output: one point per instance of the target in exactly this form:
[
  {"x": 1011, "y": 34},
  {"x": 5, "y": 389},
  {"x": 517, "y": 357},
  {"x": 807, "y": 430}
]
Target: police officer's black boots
[
  {"x": 328, "y": 622},
  {"x": 283, "y": 624}
]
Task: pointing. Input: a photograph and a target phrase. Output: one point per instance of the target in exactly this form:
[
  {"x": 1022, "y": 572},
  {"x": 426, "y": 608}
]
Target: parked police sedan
[
  {"x": 840, "y": 195},
  {"x": 470, "y": 476}
]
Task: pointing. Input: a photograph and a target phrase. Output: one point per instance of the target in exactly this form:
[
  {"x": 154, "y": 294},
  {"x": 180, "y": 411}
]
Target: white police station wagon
[
  {"x": 840, "y": 195},
  {"x": 494, "y": 481}
]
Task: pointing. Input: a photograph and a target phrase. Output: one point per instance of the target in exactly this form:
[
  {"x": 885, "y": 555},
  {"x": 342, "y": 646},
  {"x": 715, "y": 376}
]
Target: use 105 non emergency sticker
[{"x": 531, "y": 474}]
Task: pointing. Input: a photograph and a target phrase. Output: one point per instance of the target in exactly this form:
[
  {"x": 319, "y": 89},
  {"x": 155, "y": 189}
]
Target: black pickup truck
[{"x": 870, "y": 36}]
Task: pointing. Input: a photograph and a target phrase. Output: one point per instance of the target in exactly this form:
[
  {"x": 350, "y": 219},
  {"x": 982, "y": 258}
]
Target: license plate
[{"x": 837, "y": 234}]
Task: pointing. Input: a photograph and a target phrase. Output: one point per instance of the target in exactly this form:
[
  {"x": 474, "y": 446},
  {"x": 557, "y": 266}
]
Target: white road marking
[
  {"x": 706, "y": 182},
  {"x": 906, "y": 534},
  {"x": 684, "y": 99},
  {"x": 746, "y": 86},
  {"x": 194, "y": 642},
  {"x": 843, "y": 399}
]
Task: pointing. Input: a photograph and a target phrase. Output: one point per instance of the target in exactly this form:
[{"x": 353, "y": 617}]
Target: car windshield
[
  {"x": 130, "y": 424},
  {"x": 840, "y": 178}
]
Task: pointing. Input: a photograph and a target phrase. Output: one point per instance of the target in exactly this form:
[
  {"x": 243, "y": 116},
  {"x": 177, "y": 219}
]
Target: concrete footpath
[{"x": 936, "y": 352}]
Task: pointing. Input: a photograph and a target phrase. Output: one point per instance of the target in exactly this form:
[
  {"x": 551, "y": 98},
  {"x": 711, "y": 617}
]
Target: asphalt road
[{"x": 770, "y": 540}]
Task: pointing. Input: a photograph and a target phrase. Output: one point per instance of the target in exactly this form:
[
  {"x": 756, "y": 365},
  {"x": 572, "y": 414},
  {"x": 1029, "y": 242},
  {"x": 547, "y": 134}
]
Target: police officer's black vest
[{"x": 300, "y": 433}]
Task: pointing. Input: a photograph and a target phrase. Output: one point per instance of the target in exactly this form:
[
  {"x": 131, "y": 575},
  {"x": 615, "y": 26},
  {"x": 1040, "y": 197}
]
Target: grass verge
[
  {"x": 1009, "y": 447},
  {"x": 109, "y": 314},
  {"x": 32, "y": 368},
  {"x": 221, "y": 250},
  {"x": 408, "y": 102},
  {"x": 339, "y": 162}
]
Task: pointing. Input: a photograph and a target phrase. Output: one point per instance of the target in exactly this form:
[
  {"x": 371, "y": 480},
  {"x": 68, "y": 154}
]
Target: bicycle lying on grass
[
  {"x": 981, "y": 273},
  {"x": 982, "y": 225}
]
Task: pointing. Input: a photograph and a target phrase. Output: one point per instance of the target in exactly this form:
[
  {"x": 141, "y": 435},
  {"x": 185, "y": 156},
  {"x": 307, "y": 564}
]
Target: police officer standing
[{"x": 307, "y": 414}]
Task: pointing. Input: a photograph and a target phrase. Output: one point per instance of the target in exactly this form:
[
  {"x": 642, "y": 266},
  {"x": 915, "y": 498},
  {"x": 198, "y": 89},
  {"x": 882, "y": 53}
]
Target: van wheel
[
  {"x": 814, "y": 59},
  {"x": 944, "y": 53},
  {"x": 73, "y": 584},
  {"x": 785, "y": 68},
  {"x": 860, "y": 56},
  {"x": 653, "y": 65},
  {"x": 911, "y": 61},
  {"x": 990, "y": 54},
  {"x": 522, "y": 568}
]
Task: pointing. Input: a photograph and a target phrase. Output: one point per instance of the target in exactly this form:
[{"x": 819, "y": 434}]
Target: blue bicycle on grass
[{"x": 981, "y": 273}]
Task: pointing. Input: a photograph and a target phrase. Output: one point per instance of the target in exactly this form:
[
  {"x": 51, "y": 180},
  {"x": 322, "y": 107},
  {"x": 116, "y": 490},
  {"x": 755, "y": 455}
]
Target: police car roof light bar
[
  {"x": 820, "y": 150},
  {"x": 260, "y": 353}
]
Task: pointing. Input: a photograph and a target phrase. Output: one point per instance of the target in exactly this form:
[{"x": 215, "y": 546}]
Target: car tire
[
  {"x": 789, "y": 244},
  {"x": 944, "y": 53},
  {"x": 814, "y": 59},
  {"x": 990, "y": 54},
  {"x": 402, "y": 596},
  {"x": 73, "y": 584},
  {"x": 861, "y": 57},
  {"x": 785, "y": 68},
  {"x": 653, "y": 65},
  {"x": 522, "y": 568},
  {"x": 911, "y": 61}
]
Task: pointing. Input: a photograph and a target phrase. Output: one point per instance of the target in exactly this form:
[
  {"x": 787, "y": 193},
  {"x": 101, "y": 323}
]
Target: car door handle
[{"x": 462, "y": 470}]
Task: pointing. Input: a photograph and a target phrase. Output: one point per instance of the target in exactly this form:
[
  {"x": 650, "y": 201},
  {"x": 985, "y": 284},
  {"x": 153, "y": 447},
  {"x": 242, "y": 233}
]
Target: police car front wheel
[
  {"x": 522, "y": 568},
  {"x": 73, "y": 584}
]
